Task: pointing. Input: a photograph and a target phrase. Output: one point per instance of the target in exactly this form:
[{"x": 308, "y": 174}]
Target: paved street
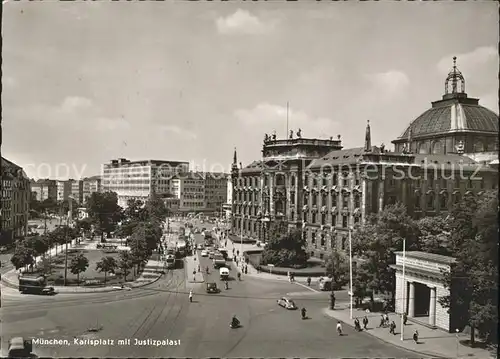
[{"x": 163, "y": 311}]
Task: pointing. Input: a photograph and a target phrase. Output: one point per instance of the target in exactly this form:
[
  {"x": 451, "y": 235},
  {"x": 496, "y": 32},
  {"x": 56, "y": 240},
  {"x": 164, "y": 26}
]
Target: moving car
[
  {"x": 212, "y": 288},
  {"x": 286, "y": 303},
  {"x": 219, "y": 260},
  {"x": 20, "y": 348},
  {"x": 200, "y": 246},
  {"x": 211, "y": 254},
  {"x": 224, "y": 273},
  {"x": 204, "y": 253}
]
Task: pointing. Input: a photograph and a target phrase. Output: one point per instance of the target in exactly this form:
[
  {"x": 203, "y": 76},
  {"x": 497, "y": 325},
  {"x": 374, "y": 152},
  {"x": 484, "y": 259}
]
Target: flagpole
[{"x": 286, "y": 134}]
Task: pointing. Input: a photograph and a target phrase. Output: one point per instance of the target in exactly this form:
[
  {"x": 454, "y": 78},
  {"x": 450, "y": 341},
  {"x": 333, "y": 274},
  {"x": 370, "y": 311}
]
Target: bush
[{"x": 305, "y": 272}]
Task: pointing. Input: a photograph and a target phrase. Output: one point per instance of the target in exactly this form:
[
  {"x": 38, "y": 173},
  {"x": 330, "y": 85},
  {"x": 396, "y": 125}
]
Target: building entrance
[{"x": 422, "y": 295}]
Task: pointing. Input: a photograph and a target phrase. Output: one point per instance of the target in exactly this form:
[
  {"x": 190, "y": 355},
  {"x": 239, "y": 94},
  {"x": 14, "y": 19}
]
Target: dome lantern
[{"x": 454, "y": 77}]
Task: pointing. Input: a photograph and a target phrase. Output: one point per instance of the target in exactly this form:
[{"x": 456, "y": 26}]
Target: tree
[
  {"x": 337, "y": 268},
  {"x": 79, "y": 264},
  {"x": 375, "y": 244},
  {"x": 46, "y": 266},
  {"x": 434, "y": 235},
  {"x": 107, "y": 265},
  {"x": 473, "y": 278},
  {"x": 125, "y": 263},
  {"x": 287, "y": 250},
  {"x": 135, "y": 210},
  {"x": 104, "y": 211},
  {"x": 22, "y": 257},
  {"x": 155, "y": 208},
  {"x": 39, "y": 244}
]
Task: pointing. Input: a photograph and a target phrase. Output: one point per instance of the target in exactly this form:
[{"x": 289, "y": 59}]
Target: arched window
[
  {"x": 280, "y": 180},
  {"x": 443, "y": 203},
  {"x": 437, "y": 147},
  {"x": 478, "y": 146},
  {"x": 430, "y": 201}
]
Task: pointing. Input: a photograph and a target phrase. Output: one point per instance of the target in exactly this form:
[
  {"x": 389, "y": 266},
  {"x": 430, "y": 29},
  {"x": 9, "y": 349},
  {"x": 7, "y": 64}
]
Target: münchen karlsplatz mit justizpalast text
[{"x": 110, "y": 342}]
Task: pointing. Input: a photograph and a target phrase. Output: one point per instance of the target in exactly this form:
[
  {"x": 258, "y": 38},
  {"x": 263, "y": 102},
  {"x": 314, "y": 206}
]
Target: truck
[
  {"x": 35, "y": 285},
  {"x": 219, "y": 260},
  {"x": 181, "y": 248},
  {"x": 170, "y": 260}
]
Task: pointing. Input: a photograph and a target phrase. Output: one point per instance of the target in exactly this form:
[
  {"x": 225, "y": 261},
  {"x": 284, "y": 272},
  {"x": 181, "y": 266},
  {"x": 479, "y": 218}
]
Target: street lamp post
[
  {"x": 404, "y": 291},
  {"x": 350, "y": 273}
]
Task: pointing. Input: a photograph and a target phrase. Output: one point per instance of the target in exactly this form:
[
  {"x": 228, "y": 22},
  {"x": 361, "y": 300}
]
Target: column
[
  {"x": 381, "y": 190},
  {"x": 261, "y": 195},
  {"x": 432, "y": 306},
  {"x": 363, "y": 199},
  {"x": 271, "y": 195},
  {"x": 411, "y": 300}
]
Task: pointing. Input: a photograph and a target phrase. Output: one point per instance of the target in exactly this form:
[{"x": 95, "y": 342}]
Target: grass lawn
[
  {"x": 91, "y": 274},
  {"x": 314, "y": 267}
]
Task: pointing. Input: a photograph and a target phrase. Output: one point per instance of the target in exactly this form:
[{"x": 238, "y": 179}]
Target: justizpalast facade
[{"x": 325, "y": 191}]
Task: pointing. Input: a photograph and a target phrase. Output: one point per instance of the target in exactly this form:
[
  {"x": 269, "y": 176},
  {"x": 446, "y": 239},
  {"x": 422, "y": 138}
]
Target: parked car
[
  {"x": 204, "y": 253},
  {"x": 287, "y": 303},
  {"x": 212, "y": 288},
  {"x": 211, "y": 254}
]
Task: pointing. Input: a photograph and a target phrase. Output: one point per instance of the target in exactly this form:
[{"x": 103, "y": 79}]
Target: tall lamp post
[
  {"x": 350, "y": 272},
  {"x": 403, "y": 285}
]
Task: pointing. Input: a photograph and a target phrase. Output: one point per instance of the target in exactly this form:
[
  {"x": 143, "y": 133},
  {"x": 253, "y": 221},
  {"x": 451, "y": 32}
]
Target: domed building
[{"x": 456, "y": 124}]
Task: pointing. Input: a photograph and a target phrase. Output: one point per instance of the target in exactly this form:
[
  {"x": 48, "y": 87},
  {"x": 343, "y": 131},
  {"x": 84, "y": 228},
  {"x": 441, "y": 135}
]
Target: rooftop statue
[
  {"x": 299, "y": 133},
  {"x": 266, "y": 137},
  {"x": 274, "y": 136},
  {"x": 291, "y": 134}
]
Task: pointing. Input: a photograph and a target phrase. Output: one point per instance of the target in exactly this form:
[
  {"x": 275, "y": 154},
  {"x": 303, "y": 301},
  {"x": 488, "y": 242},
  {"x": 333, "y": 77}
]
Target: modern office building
[
  {"x": 15, "y": 199},
  {"x": 44, "y": 189},
  {"x": 91, "y": 185},
  {"x": 63, "y": 189},
  {"x": 137, "y": 179},
  {"x": 76, "y": 191}
]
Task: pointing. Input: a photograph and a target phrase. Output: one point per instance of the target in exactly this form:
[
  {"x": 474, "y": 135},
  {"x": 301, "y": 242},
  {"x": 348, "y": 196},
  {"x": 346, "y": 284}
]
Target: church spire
[
  {"x": 235, "y": 157},
  {"x": 368, "y": 138}
]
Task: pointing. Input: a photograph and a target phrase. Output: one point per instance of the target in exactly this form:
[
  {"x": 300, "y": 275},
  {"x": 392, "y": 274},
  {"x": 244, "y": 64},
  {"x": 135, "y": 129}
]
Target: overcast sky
[{"x": 85, "y": 82}]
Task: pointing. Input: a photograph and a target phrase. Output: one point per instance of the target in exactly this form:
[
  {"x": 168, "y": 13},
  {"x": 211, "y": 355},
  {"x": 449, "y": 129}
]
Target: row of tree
[{"x": 141, "y": 223}]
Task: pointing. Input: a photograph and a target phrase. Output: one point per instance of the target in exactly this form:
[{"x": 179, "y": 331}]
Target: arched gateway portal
[{"x": 423, "y": 286}]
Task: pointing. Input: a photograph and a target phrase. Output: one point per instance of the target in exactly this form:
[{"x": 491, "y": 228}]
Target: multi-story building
[
  {"x": 15, "y": 199},
  {"x": 138, "y": 179},
  {"x": 227, "y": 207},
  {"x": 44, "y": 189},
  {"x": 91, "y": 185},
  {"x": 76, "y": 191},
  {"x": 323, "y": 190},
  {"x": 215, "y": 191},
  {"x": 63, "y": 189},
  {"x": 199, "y": 191}
]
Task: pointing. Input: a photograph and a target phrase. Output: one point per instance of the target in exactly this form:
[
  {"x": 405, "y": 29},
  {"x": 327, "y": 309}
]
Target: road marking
[{"x": 305, "y": 286}]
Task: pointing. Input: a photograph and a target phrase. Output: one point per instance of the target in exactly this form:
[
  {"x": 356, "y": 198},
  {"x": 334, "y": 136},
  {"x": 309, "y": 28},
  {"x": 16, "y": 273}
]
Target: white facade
[
  {"x": 137, "y": 179},
  {"x": 424, "y": 270},
  {"x": 63, "y": 189}
]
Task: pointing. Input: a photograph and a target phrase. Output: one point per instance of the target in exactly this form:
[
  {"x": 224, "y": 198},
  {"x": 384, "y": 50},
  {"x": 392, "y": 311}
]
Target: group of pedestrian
[
  {"x": 357, "y": 325},
  {"x": 291, "y": 277}
]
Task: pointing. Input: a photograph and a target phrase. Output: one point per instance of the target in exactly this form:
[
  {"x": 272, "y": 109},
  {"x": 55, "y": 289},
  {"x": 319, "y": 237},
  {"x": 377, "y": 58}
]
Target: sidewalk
[
  {"x": 432, "y": 342},
  {"x": 252, "y": 271}
]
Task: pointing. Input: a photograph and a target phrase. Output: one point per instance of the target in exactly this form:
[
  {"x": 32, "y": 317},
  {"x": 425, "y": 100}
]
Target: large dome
[
  {"x": 453, "y": 115},
  {"x": 455, "y": 120}
]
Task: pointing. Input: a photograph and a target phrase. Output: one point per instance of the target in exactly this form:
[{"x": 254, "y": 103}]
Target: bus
[{"x": 35, "y": 285}]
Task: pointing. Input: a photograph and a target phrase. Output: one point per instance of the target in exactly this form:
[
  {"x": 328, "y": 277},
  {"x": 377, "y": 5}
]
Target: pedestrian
[
  {"x": 289, "y": 276},
  {"x": 309, "y": 281},
  {"x": 365, "y": 322},
  {"x": 199, "y": 269},
  {"x": 238, "y": 252},
  {"x": 392, "y": 328},
  {"x": 405, "y": 318},
  {"x": 339, "y": 328},
  {"x": 246, "y": 270},
  {"x": 191, "y": 296},
  {"x": 357, "y": 326},
  {"x": 382, "y": 321},
  {"x": 415, "y": 337},
  {"x": 386, "y": 319}
]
